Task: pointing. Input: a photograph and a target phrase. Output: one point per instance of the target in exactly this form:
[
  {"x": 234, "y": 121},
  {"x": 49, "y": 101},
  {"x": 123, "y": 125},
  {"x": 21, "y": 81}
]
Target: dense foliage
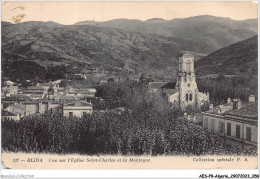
[
  {"x": 30, "y": 70},
  {"x": 131, "y": 133},
  {"x": 222, "y": 88}
]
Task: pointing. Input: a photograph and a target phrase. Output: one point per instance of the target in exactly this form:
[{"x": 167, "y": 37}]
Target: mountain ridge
[
  {"x": 47, "y": 43},
  {"x": 109, "y": 48},
  {"x": 215, "y": 31}
]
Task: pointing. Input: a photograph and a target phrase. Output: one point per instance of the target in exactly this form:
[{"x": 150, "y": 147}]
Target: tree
[{"x": 205, "y": 106}]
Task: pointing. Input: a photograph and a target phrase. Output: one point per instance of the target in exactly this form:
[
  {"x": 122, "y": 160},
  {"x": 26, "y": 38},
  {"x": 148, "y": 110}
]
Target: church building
[{"x": 186, "y": 90}]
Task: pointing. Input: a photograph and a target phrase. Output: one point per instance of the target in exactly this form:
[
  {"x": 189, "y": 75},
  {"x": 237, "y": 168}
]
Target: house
[
  {"x": 155, "y": 86},
  {"x": 237, "y": 122},
  {"x": 5, "y": 102},
  {"x": 69, "y": 89},
  {"x": 77, "y": 109},
  {"x": 45, "y": 86},
  {"x": 161, "y": 87},
  {"x": 63, "y": 99},
  {"x": 55, "y": 107},
  {"x": 9, "y": 115},
  {"x": 16, "y": 108},
  {"x": 71, "y": 93},
  {"x": 9, "y": 90},
  {"x": 87, "y": 92},
  {"x": 60, "y": 91},
  {"x": 82, "y": 75},
  {"x": 57, "y": 84},
  {"x": 35, "y": 92},
  {"x": 34, "y": 107},
  {"x": 9, "y": 83}
]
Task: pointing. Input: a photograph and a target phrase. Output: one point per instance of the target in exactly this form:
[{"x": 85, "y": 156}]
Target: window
[
  {"x": 205, "y": 123},
  {"x": 187, "y": 97},
  {"x": 248, "y": 133},
  {"x": 70, "y": 114},
  {"x": 188, "y": 85},
  {"x": 213, "y": 124},
  {"x": 190, "y": 97},
  {"x": 229, "y": 129},
  {"x": 237, "y": 131},
  {"x": 188, "y": 67},
  {"x": 221, "y": 127}
]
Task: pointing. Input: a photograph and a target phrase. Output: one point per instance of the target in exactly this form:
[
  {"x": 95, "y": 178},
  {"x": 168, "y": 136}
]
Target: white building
[
  {"x": 86, "y": 92},
  {"x": 237, "y": 122},
  {"x": 77, "y": 109},
  {"x": 186, "y": 90}
]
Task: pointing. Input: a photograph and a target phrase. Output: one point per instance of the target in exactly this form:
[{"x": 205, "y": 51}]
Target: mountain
[
  {"x": 122, "y": 46},
  {"x": 217, "y": 32},
  {"x": 42, "y": 44},
  {"x": 240, "y": 58}
]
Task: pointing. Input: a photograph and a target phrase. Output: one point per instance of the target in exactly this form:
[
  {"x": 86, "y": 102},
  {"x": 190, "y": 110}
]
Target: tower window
[
  {"x": 188, "y": 85},
  {"x": 190, "y": 97},
  {"x": 188, "y": 66},
  {"x": 187, "y": 97}
]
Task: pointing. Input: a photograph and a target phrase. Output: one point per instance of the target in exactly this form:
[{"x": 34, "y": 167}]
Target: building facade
[
  {"x": 77, "y": 109},
  {"x": 34, "y": 92},
  {"x": 9, "y": 115},
  {"x": 8, "y": 90},
  {"x": 237, "y": 123}
]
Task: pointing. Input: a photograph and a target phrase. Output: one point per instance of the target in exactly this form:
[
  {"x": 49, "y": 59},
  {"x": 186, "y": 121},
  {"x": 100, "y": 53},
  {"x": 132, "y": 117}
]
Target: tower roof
[{"x": 187, "y": 55}]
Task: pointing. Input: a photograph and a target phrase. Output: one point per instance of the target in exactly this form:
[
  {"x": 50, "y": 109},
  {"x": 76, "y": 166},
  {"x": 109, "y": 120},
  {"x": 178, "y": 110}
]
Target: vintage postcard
[{"x": 129, "y": 85}]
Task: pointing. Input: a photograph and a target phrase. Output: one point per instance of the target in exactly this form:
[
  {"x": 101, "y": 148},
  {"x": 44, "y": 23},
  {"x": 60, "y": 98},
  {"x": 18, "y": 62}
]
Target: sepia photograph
[{"x": 129, "y": 85}]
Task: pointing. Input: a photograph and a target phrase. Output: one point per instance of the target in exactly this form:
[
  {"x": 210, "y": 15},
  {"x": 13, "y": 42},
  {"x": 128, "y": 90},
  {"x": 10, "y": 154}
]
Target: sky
[{"x": 72, "y": 12}]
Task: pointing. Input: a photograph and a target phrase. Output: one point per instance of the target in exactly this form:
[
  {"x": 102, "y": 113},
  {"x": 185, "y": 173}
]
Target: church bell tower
[{"x": 186, "y": 81}]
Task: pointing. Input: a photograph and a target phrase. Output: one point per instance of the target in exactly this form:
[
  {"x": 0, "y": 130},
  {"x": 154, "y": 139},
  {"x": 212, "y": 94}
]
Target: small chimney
[
  {"x": 232, "y": 105},
  {"x": 239, "y": 104},
  {"x": 251, "y": 99},
  {"x": 229, "y": 100},
  {"x": 218, "y": 110},
  {"x": 211, "y": 106}
]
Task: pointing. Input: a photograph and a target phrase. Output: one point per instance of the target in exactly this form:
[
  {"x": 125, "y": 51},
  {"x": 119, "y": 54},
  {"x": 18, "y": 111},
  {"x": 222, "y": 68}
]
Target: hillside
[
  {"x": 123, "y": 47},
  {"x": 42, "y": 44},
  {"x": 237, "y": 59},
  {"x": 217, "y": 32}
]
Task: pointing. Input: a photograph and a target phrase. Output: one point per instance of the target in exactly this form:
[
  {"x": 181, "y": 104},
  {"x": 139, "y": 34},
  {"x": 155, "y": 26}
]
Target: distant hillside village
[{"x": 236, "y": 121}]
